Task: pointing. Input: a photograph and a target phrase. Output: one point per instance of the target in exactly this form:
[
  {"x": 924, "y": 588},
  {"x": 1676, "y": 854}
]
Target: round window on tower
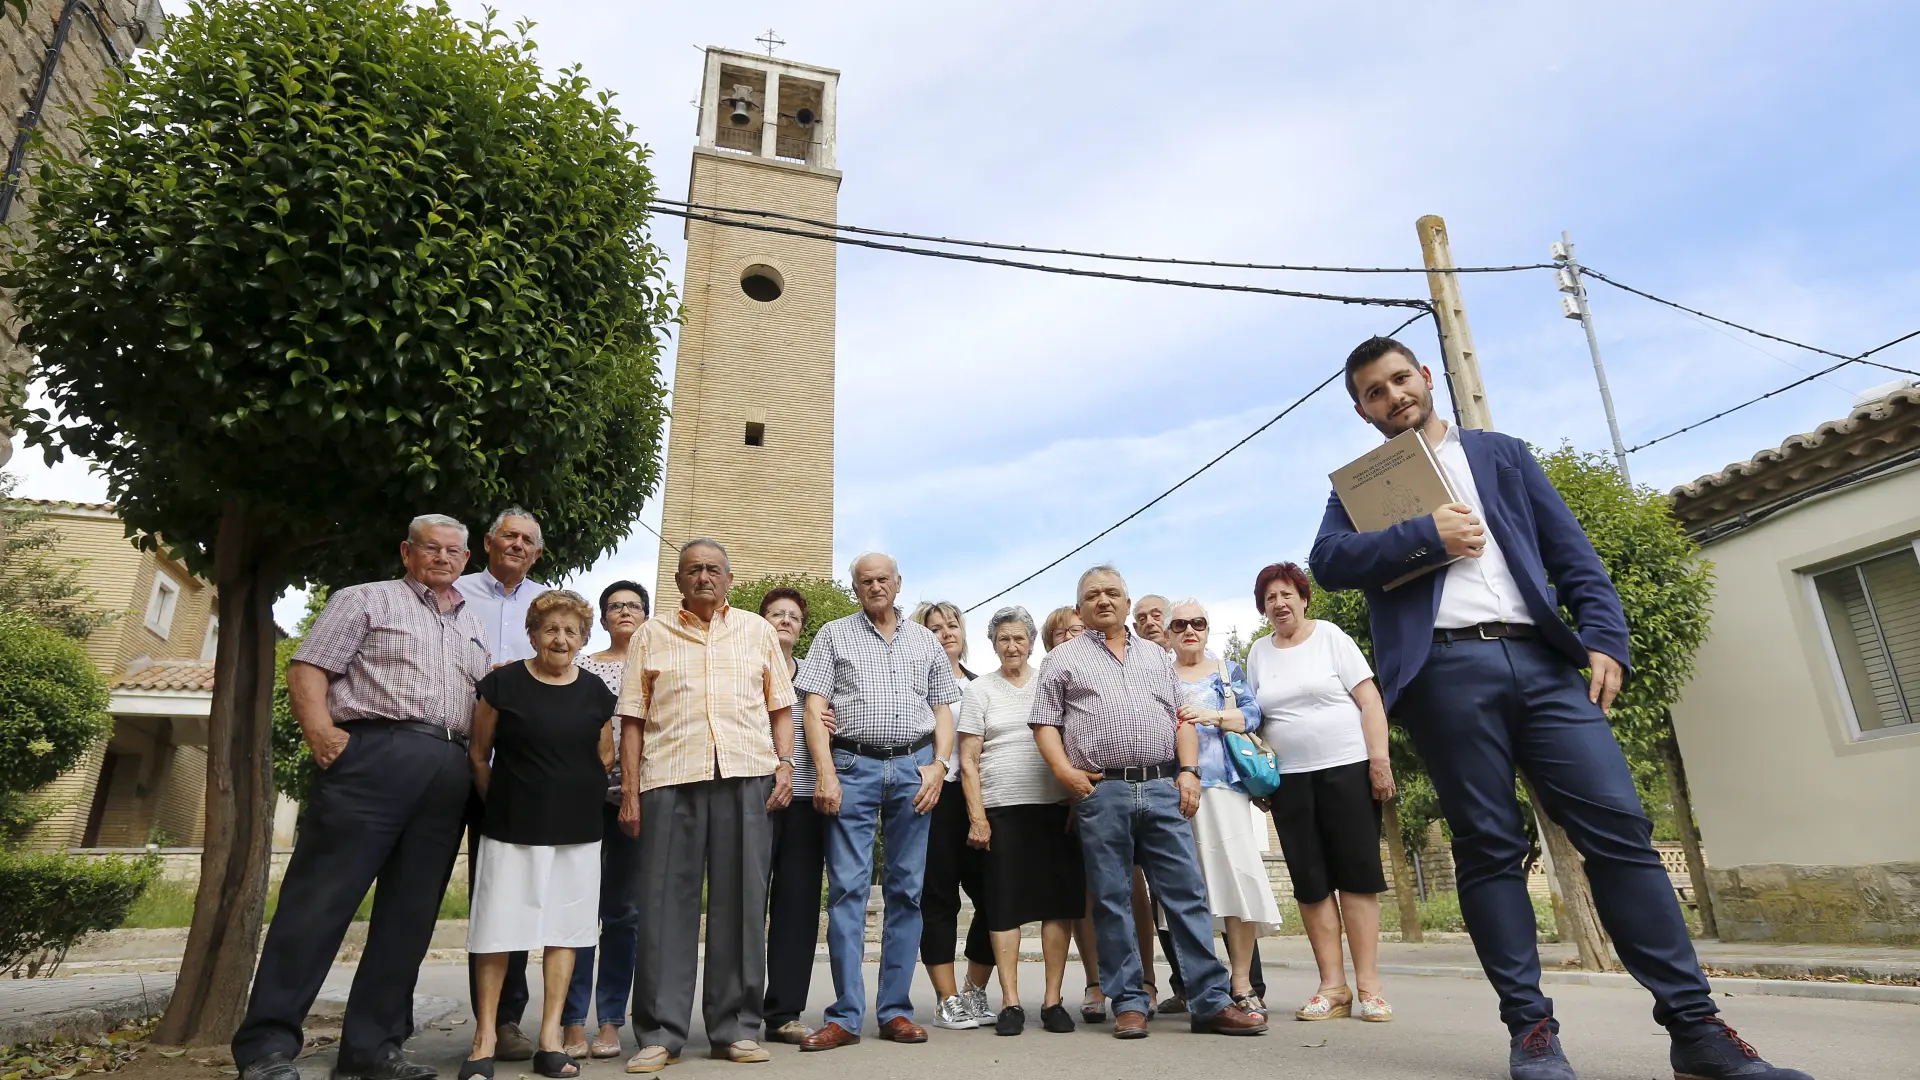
[{"x": 762, "y": 282}]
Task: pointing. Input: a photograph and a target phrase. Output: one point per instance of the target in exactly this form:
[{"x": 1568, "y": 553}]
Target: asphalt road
[{"x": 1446, "y": 1028}]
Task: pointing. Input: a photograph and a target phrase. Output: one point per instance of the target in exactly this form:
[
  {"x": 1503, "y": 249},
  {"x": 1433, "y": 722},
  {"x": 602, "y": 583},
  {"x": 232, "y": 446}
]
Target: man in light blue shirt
[
  {"x": 499, "y": 596},
  {"x": 501, "y": 593}
]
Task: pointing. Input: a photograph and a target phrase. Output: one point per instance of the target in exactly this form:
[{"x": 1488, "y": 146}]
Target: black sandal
[
  {"x": 555, "y": 1063},
  {"x": 472, "y": 1067}
]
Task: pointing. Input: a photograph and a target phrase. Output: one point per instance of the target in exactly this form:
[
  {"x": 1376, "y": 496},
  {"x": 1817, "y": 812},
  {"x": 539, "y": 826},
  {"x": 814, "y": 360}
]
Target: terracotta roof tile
[
  {"x": 63, "y": 504},
  {"x": 169, "y": 675},
  {"x": 1876, "y": 431}
]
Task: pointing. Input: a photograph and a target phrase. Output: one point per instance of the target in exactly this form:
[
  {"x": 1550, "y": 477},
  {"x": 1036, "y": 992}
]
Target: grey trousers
[{"x": 716, "y": 832}]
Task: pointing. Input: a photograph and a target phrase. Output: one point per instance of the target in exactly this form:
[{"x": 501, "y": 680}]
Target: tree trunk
[
  {"x": 1573, "y": 909},
  {"x": 1402, "y": 875},
  {"x": 210, "y": 995},
  {"x": 1689, "y": 832}
]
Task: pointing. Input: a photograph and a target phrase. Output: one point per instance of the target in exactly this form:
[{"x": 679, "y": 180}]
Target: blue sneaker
[
  {"x": 1715, "y": 1051},
  {"x": 1536, "y": 1054}
]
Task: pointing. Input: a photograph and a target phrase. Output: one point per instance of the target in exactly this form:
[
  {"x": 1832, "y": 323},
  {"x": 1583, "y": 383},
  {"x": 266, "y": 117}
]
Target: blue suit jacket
[{"x": 1545, "y": 548}]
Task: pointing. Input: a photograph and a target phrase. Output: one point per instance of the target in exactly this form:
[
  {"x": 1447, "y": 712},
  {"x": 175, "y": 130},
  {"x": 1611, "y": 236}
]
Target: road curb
[
  {"x": 1730, "y": 987},
  {"x": 85, "y": 1022}
]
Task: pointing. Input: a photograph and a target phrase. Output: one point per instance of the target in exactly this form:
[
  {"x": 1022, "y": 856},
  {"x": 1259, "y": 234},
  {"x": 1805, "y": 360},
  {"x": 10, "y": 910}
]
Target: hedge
[{"x": 51, "y": 901}]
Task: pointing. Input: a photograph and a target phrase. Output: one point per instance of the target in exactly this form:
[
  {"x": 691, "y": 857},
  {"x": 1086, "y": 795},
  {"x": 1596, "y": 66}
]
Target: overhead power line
[
  {"x": 1372, "y": 301},
  {"x": 1031, "y": 250},
  {"x": 1828, "y": 370},
  {"x": 1184, "y": 481}
]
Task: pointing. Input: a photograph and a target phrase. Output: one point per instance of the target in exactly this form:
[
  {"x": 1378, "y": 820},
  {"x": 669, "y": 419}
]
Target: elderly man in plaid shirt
[
  {"x": 891, "y": 688},
  {"x": 1109, "y": 717},
  {"x": 383, "y": 688}
]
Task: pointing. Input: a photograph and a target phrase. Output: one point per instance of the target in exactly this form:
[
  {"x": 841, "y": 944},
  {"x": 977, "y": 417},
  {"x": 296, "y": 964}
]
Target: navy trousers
[{"x": 1476, "y": 711}]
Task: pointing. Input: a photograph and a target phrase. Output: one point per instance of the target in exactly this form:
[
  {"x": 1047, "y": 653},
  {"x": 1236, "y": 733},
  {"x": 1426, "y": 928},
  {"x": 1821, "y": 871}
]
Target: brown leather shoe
[
  {"x": 1131, "y": 1024},
  {"x": 1232, "y": 1020},
  {"x": 902, "y": 1030},
  {"x": 831, "y": 1037}
]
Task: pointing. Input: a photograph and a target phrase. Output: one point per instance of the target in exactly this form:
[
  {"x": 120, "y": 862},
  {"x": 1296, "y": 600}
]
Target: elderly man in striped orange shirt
[{"x": 706, "y": 750}]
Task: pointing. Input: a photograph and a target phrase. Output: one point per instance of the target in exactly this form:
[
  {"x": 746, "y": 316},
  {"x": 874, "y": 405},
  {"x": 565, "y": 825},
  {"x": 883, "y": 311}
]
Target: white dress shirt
[
  {"x": 503, "y": 613},
  {"x": 1481, "y": 590}
]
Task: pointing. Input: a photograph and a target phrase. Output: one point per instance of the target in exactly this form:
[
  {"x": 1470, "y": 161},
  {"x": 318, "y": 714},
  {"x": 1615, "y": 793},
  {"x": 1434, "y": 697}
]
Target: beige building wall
[
  {"x": 743, "y": 361},
  {"x": 155, "y": 781},
  {"x": 1800, "y": 815}
]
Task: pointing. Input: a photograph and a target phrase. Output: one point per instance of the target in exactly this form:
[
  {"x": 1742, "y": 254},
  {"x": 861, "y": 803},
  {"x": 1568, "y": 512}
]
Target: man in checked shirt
[
  {"x": 891, "y": 689},
  {"x": 1109, "y": 717},
  {"x": 383, "y": 688}
]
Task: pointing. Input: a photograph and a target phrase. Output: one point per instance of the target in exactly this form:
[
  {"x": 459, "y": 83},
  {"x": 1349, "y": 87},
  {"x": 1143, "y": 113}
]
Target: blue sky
[{"x": 1754, "y": 160}]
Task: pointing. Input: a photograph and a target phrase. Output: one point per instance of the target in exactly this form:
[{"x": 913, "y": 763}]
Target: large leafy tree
[
  {"x": 35, "y": 577},
  {"x": 1665, "y": 589},
  {"x": 320, "y": 267}
]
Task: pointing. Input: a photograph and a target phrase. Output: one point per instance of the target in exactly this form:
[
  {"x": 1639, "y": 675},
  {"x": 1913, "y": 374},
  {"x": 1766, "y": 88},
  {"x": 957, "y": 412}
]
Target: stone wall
[
  {"x": 83, "y": 66},
  {"x": 1780, "y": 902}
]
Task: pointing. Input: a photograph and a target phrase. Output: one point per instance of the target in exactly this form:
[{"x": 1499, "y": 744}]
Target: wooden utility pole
[
  {"x": 1573, "y": 907},
  {"x": 1457, "y": 356}
]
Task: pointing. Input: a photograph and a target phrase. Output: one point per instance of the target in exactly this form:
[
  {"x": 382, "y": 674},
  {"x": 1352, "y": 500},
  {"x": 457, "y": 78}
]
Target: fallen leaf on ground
[
  {"x": 1315, "y": 1046},
  {"x": 171, "y": 1053}
]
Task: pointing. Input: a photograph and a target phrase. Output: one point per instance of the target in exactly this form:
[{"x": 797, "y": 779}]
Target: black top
[{"x": 548, "y": 784}]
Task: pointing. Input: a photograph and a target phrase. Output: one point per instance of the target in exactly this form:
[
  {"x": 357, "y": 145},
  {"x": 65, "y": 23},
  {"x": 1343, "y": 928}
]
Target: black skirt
[{"x": 1034, "y": 872}]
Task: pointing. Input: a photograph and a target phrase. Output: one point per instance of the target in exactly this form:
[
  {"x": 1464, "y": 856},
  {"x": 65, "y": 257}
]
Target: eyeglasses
[
  {"x": 627, "y": 605},
  {"x": 1180, "y": 625},
  {"x": 433, "y": 551}
]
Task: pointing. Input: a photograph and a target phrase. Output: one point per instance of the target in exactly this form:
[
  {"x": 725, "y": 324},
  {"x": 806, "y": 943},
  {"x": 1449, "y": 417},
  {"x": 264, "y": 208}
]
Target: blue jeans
[
  {"x": 619, "y": 930},
  {"x": 1122, "y": 824},
  {"x": 875, "y": 792},
  {"x": 1478, "y": 709}
]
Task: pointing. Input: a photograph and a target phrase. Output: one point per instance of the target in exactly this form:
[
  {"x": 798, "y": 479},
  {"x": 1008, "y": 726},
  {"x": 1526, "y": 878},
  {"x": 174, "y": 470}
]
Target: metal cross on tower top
[{"x": 772, "y": 41}]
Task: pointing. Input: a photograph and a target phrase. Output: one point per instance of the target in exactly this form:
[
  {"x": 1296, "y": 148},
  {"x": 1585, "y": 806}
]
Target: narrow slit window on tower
[{"x": 756, "y": 433}]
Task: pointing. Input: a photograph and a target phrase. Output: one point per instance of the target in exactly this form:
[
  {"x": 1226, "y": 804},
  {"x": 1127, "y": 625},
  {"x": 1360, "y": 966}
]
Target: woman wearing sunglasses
[{"x": 1226, "y": 830}]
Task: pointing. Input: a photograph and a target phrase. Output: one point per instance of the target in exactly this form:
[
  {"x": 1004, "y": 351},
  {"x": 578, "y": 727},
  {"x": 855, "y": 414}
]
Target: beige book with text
[{"x": 1396, "y": 481}]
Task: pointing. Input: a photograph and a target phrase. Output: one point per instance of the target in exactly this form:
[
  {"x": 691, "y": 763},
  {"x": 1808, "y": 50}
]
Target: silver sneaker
[
  {"x": 954, "y": 1015},
  {"x": 975, "y": 998}
]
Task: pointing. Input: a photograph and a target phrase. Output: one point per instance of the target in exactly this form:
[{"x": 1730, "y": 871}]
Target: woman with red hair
[{"x": 1324, "y": 719}]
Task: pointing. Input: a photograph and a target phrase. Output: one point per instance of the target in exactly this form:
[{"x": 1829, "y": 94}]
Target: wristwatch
[
  {"x": 1193, "y": 769},
  {"x": 787, "y": 761}
]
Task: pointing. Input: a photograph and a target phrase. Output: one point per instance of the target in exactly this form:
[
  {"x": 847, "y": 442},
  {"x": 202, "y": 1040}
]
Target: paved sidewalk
[
  {"x": 1446, "y": 1030},
  {"x": 104, "y": 994}
]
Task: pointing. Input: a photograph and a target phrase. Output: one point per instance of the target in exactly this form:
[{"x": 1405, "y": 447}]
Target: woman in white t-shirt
[{"x": 1324, "y": 719}]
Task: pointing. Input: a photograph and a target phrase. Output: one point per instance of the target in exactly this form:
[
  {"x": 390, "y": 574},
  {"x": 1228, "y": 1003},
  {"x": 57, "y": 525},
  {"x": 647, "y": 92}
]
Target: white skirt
[
  {"x": 528, "y": 896},
  {"x": 1229, "y": 842}
]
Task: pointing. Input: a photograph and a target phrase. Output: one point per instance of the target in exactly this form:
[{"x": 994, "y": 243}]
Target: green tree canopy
[
  {"x": 348, "y": 261},
  {"x": 53, "y": 703},
  {"x": 1664, "y": 588},
  {"x": 827, "y": 600},
  {"x": 35, "y": 577}
]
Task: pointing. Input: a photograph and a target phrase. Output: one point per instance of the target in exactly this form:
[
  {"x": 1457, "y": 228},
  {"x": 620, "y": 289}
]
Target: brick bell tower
[{"x": 750, "y": 447}]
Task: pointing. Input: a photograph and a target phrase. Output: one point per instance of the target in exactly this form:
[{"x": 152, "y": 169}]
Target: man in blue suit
[{"x": 1475, "y": 661}]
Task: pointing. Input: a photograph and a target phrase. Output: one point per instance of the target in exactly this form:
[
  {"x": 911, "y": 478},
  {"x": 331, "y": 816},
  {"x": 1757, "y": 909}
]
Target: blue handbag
[{"x": 1252, "y": 758}]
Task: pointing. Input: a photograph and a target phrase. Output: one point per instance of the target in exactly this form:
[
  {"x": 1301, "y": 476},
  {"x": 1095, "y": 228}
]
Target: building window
[
  {"x": 210, "y": 645},
  {"x": 756, "y": 434},
  {"x": 762, "y": 282},
  {"x": 161, "y": 604},
  {"x": 1872, "y": 610}
]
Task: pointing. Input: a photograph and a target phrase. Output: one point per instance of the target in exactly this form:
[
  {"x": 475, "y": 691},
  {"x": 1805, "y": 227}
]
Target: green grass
[
  {"x": 1441, "y": 912},
  {"x": 168, "y": 904}
]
